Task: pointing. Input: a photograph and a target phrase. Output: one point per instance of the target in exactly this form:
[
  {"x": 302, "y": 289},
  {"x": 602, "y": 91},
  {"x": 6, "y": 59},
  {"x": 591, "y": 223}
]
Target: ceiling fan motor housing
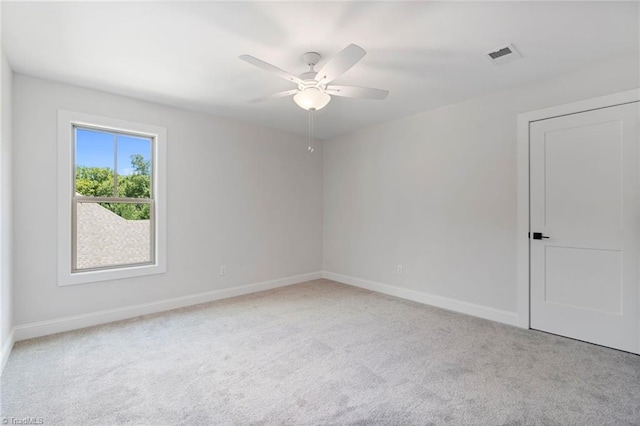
[{"x": 309, "y": 78}]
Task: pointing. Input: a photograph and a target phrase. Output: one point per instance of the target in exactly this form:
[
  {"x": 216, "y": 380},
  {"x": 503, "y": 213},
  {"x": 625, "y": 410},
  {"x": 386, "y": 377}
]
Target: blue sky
[{"x": 95, "y": 149}]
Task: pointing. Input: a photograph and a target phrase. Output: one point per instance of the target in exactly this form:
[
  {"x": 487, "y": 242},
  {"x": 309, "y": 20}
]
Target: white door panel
[
  {"x": 596, "y": 273},
  {"x": 584, "y": 196}
]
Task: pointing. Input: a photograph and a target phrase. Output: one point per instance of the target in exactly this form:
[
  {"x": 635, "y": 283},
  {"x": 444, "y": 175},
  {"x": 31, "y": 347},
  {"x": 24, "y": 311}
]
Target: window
[{"x": 111, "y": 204}]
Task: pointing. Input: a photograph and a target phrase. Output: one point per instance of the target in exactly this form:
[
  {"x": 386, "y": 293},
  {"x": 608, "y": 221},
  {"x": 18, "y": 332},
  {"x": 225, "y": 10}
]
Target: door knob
[{"x": 538, "y": 236}]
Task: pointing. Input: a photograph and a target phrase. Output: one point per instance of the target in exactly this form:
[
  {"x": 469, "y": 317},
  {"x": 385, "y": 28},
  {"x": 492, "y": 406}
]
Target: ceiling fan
[{"x": 314, "y": 88}]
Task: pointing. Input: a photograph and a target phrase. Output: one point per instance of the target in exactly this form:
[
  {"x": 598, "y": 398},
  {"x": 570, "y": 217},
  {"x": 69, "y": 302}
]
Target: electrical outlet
[
  {"x": 223, "y": 271},
  {"x": 399, "y": 269}
]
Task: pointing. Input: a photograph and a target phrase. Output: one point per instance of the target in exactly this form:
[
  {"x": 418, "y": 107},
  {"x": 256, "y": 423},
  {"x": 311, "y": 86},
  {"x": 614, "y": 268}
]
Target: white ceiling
[{"x": 427, "y": 54}]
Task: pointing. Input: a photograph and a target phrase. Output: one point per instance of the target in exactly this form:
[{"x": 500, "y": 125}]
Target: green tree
[
  {"x": 129, "y": 211},
  {"x": 137, "y": 184},
  {"x": 98, "y": 182},
  {"x": 140, "y": 166},
  {"x": 94, "y": 181}
]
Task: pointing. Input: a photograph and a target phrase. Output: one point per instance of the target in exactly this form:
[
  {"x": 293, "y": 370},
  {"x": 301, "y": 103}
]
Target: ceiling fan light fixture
[{"x": 311, "y": 99}]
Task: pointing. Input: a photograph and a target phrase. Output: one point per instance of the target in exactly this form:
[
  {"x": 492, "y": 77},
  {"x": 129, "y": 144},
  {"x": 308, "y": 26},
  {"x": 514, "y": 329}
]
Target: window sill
[{"x": 65, "y": 279}]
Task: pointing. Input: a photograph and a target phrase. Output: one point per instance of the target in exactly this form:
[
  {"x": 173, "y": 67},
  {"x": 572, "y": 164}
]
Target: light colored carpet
[{"x": 317, "y": 353}]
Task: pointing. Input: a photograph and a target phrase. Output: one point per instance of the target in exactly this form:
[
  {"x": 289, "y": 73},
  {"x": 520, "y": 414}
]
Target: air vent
[{"x": 503, "y": 55}]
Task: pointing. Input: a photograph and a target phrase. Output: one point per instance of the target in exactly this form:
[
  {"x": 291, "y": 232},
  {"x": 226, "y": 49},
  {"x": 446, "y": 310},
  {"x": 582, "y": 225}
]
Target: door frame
[{"x": 523, "y": 198}]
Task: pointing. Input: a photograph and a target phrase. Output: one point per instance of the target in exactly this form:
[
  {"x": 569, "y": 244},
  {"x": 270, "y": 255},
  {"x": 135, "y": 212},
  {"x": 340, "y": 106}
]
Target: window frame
[
  {"x": 68, "y": 121},
  {"x": 77, "y": 199}
]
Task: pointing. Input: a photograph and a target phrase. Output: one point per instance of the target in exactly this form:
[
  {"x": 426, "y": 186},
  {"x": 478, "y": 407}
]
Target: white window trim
[{"x": 66, "y": 121}]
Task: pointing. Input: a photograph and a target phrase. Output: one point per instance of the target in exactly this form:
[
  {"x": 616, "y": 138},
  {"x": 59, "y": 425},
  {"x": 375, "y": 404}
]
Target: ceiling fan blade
[
  {"x": 357, "y": 92},
  {"x": 272, "y": 68},
  {"x": 341, "y": 63},
  {"x": 274, "y": 96}
]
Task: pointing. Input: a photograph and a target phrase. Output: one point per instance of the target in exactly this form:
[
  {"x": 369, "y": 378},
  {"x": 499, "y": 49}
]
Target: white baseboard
[
  {"x": 6, "y": 350},
  {"x": 480, "y": 311},
  {"x": 44, "y": 328}
]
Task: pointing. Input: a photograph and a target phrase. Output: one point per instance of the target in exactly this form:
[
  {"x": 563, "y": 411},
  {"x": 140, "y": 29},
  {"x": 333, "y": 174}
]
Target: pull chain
[{"x": 310, "y": 147}]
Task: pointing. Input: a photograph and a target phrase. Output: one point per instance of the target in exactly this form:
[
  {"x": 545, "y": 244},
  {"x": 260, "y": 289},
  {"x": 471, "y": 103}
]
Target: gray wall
[
  {"x": 6, "y": 191},
  {"x": 436, "y": 192},
  {"x": 238, "y": 195}
]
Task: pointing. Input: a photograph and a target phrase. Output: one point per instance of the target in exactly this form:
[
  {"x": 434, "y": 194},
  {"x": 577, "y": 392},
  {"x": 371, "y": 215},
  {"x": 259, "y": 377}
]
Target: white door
[{"x": 585, "y": 186}]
